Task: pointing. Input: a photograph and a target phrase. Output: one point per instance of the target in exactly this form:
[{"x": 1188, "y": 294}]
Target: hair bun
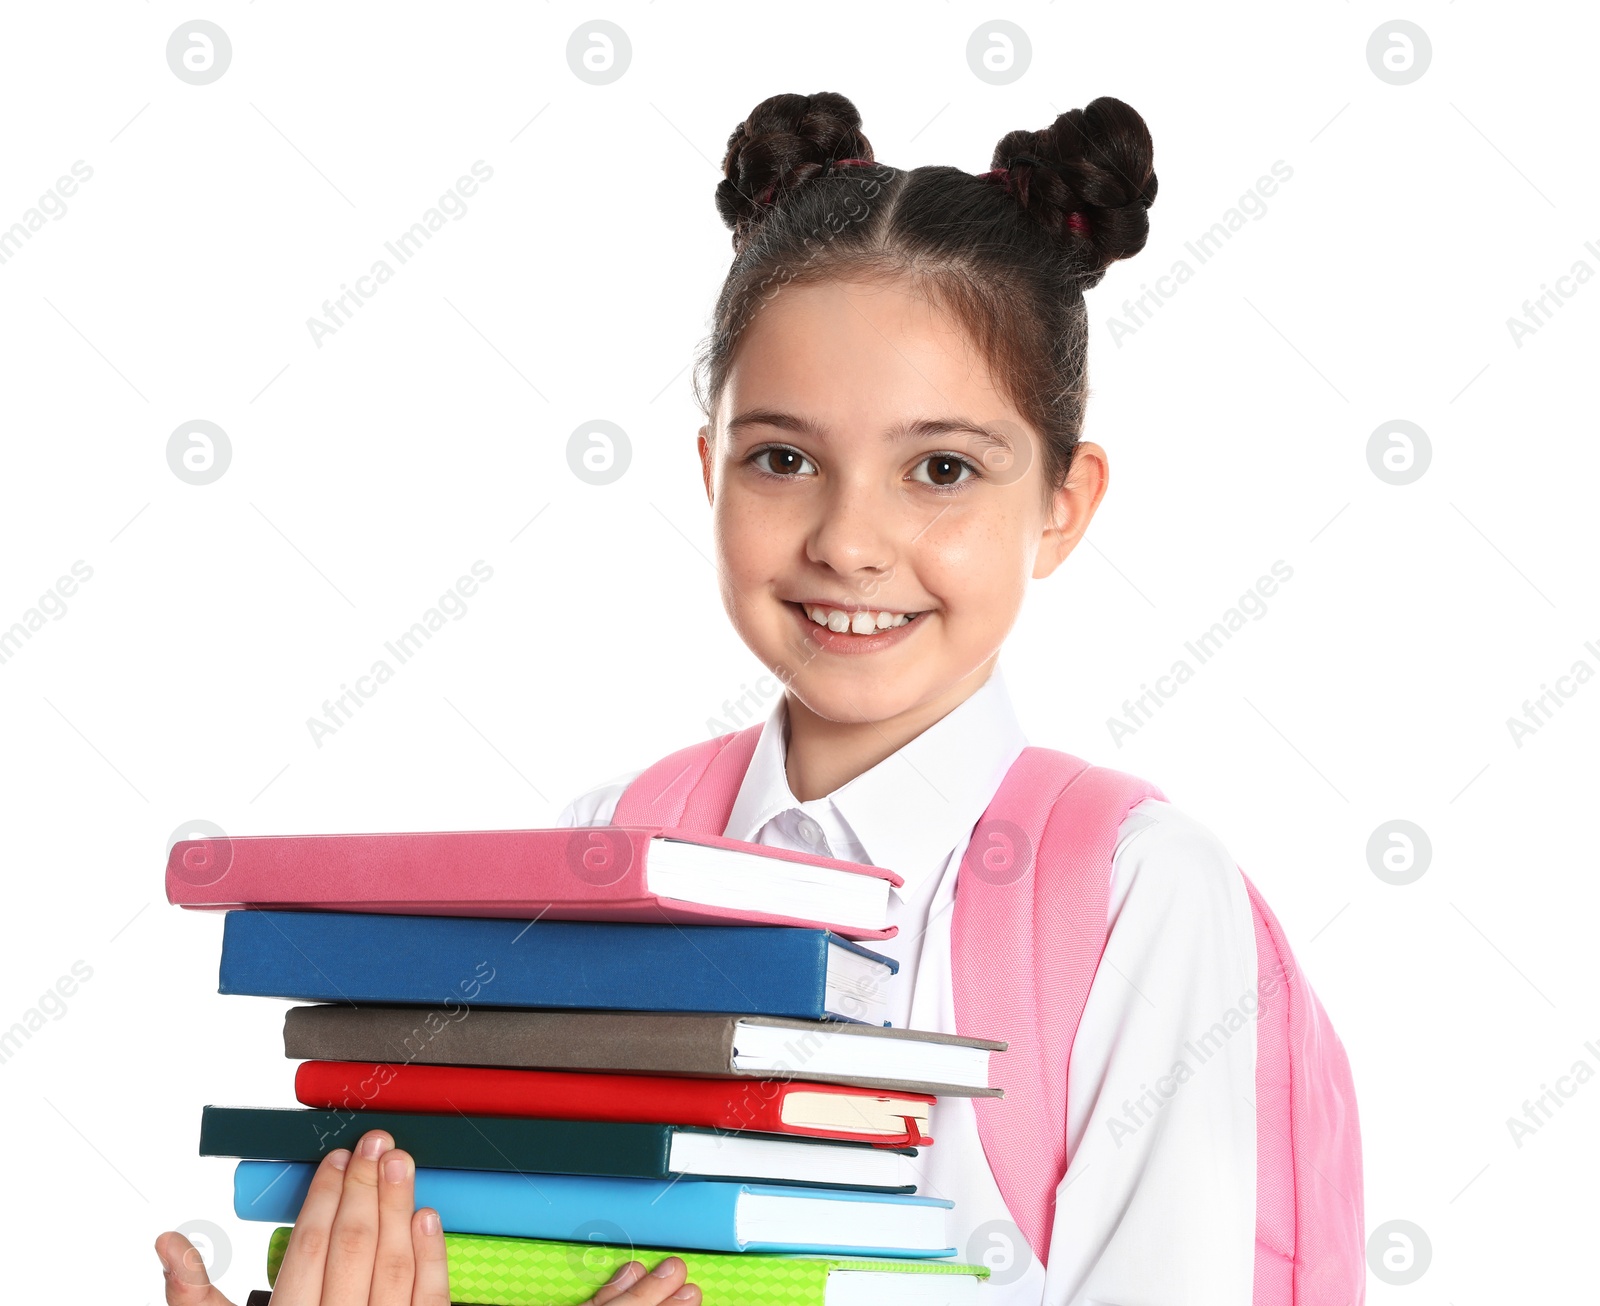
[
  {"x": 1096, "y": 183},
  {"x": 786, "y": 140}
]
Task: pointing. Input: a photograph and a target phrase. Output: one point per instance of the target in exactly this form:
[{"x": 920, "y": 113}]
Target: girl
[{"x": 894, "y": 391}]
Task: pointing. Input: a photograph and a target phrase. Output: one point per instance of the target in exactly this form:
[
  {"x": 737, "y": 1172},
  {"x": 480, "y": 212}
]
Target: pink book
[{"x": 651, "y": 873}]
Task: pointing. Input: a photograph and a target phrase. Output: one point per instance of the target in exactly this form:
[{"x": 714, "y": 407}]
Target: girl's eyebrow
[{"x": 919, "y": 429}]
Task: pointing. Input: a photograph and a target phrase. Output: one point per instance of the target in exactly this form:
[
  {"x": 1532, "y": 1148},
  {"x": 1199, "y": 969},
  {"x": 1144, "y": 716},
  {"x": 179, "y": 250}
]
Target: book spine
[
  {"x": 350, "y": 957},
  {"x": 572, "y": 1041},
  {"x": 534, "y": 1272},
  {"x": 455, "y": 1141},
  {"x": 696, "y": 1215},
  {"x": 742, "y": 1104}
]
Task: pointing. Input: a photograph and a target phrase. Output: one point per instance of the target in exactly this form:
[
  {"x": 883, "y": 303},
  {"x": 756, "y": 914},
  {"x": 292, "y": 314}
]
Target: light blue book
[{"x": 706, "y": 1214}]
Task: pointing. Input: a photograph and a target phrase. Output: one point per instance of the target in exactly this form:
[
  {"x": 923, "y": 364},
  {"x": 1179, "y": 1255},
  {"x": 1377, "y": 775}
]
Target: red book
[{"x": 834, "y": 1111}]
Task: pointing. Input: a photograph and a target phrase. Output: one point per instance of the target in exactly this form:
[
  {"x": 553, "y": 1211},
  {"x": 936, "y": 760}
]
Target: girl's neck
[{"x": 822, "y": 755}]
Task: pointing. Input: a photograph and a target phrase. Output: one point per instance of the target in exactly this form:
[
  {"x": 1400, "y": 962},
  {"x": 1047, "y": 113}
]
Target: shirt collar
[{"x": 911, "y": 810}]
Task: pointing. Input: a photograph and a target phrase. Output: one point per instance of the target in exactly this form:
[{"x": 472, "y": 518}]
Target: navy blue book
[{"x": 465, "y": 961}]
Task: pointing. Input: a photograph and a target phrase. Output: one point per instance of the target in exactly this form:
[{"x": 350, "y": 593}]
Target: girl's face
[{"x": 866, "y": 471}]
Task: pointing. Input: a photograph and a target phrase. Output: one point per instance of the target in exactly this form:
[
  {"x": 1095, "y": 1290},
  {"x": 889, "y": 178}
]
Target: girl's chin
[
  {"x": 853, "y": 699},
  {"x": 850, "y": 709},
  {"x": 845, "y": 677}
]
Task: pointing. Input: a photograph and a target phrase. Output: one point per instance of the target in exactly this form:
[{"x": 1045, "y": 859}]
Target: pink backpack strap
[
  {"x": 694, "y": 787},
  {"x": 1310, "y": 1232},
  {"x": 1050, "y": 907},
  {"x": 1036, "y": 880}
]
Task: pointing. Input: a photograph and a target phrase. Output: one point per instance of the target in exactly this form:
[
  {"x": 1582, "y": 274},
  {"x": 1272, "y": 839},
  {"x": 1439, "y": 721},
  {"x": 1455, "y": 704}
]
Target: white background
[{"x": 368, "y": 474}]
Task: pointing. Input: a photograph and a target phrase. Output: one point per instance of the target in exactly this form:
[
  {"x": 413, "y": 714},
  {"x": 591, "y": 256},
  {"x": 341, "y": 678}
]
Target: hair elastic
[{"x": 1075, "y": 221}]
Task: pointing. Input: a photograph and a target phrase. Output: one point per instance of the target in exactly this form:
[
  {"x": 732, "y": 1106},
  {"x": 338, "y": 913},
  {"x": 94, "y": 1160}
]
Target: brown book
[{"x": 646, "y": 1042}]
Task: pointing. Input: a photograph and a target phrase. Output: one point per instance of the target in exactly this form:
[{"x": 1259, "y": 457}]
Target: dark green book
[{"x": 586, "y": 1147}]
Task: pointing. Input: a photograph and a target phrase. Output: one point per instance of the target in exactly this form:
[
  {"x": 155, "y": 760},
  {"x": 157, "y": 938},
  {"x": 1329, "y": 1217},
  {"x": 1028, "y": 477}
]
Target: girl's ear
[
  {"x": 1072, "y": 507},
  {"x": 704, "y": 445}
]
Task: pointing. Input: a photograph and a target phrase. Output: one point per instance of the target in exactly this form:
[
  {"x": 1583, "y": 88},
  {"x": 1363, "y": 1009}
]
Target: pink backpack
[{"x": 1038, "y": 871}]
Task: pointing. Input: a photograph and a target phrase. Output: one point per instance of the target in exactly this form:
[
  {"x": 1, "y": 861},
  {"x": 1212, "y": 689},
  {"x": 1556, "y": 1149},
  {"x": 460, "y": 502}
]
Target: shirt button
[{"x": 810, "y": 831}]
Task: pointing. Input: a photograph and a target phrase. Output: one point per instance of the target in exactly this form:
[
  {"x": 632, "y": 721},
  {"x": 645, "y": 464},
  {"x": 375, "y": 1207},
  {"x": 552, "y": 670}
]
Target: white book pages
[{"x": 731, "y": 877}]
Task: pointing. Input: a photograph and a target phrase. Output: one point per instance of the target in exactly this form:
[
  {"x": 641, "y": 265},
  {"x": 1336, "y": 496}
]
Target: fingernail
[
  {"x": 166, "y": 1268},
  {"x": 371, "y": 1145},
  {"x": 684, "y": 1293},
  {"x": 339, "y": 1159},
  {"x": 430, "y": 1222},
  {"x": 397, "y": 1168},
  {"x": 666, "y": 1267},
  {"x": 625, "y": 1270}
]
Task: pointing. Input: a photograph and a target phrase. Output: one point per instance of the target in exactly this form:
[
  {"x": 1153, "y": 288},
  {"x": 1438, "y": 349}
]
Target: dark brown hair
[{"x": 1008, "y": 252}]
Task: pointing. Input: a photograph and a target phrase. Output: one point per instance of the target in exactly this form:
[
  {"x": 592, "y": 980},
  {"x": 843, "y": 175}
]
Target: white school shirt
[{"x": 1157, "y": 1204}]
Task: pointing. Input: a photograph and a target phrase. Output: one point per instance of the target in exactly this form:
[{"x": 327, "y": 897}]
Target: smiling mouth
[{"x": 856, "y": 622}]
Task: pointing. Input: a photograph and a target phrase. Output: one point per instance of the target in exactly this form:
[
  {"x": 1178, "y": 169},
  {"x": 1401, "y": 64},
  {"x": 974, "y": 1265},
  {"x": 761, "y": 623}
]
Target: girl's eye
[
  {"x": 782, "y": 461},
  {"x": 944, "y": 471}
]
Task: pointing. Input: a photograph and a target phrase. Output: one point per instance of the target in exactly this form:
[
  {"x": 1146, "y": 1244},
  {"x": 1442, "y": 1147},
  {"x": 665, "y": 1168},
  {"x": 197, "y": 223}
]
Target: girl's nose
[{"x": 855, "y": 535}]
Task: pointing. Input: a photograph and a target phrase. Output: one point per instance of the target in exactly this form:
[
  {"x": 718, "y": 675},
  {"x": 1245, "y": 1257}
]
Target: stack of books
[{"x": 598, "y": 1044}]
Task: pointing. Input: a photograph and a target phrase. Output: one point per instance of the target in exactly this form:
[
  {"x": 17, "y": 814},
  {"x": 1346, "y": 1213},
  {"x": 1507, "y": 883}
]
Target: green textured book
[{"x": 490, "y": 1271}]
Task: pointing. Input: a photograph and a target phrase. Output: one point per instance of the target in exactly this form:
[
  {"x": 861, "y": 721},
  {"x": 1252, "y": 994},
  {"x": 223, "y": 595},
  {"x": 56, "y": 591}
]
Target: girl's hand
[{"x": 358, "y": 1242}]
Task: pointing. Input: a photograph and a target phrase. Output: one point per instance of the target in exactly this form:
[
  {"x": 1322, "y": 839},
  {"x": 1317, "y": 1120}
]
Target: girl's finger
[
  {"x": 664, "y": 1282},
  {"x": 188, "y": 1284},
  {"x": 432, "y": 1285},
  {"x": 394, "y": 1267},
  {"x": 299, "y": 1281},
  {"x": 623, "y": 1278},
  {"x": 353, "y": 1239}
]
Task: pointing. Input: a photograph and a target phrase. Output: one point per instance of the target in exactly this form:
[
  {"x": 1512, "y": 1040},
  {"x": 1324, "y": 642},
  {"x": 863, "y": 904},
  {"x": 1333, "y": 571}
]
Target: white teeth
[{"x": 859, "y": 623}]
